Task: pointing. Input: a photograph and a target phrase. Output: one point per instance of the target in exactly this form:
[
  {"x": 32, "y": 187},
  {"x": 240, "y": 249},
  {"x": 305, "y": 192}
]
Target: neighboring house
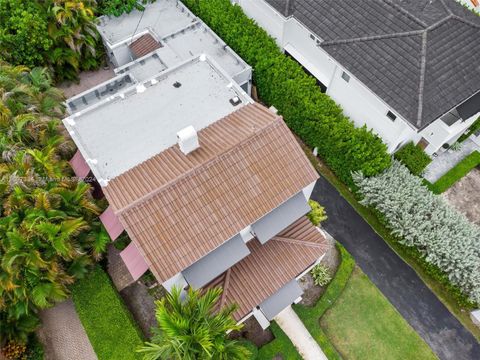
[
  {"x": 408, "y": 69},
  {"x": 169, "y": 29},
  {"x": 211, "y": 187}
]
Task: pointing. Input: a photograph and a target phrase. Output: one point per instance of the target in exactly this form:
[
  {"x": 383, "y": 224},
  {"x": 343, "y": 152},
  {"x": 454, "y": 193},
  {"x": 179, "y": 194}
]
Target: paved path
[
  {"x": 395, "y": 279},
  {"x": 306, "y": 345},
  {"x": 447, "y": 160},
  {"x": 63, "y": 335}
]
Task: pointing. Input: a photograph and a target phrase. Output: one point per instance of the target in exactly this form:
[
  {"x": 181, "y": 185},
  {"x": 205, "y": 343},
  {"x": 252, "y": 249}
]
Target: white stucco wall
[
  {"x": 357, "y": 101},
  {"x": 306, "y": 51},
  {"x": 365, "y": 108},
  {"x": 265, "y": 16},
  {"x": 439, "y": 133}
]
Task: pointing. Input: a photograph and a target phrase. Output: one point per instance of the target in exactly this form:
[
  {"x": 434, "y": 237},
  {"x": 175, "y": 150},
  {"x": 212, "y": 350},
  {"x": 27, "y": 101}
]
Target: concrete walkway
[
  {"x": 447, "y": 160},
  {"x": 306, "y": 345},
  {"x": 63, "y": 335},
  {"x": 396, "y": 280}
]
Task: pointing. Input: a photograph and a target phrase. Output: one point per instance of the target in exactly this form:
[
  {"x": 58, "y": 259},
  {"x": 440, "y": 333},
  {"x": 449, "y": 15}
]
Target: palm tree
[
  {"x": 193, "y": 328},
  {"x": 72, "y": 27}
]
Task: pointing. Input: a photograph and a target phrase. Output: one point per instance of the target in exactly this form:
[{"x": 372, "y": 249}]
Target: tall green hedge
[
  {"x": 281, "y": 82},
  {"x": 413, "y": 157}
]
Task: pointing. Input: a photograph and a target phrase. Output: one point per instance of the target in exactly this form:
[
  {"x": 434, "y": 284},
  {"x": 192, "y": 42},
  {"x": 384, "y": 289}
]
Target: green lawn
[
  {"x": 456, "y": 173},
  {"x": 362, "y": 324},
  {"x": 281, "y": 345},
  {"x": 451, "y": 297},
  {"x": 108, "y": 324}
]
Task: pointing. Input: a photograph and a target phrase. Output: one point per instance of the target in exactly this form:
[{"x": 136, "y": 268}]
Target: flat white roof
[
  {"x": 179, "y": 32},
  {"x": 163, "y": 17},
  {"x": 140, "y": 121}
]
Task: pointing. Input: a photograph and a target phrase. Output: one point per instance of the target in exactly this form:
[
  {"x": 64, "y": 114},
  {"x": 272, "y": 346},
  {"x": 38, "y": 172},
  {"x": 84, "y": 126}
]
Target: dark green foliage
[
  {"x": 413, "y": 157},
  {"x": 310, "y": 316},
  {"x": 106, "y": 320},
  {"x": 34, "y": 349},
  {"x": 23, "y": 32},
  {"x": 281, "y": 345},
  {"x": 471, "y": 130},
  {"x": 456, "y": 173},
  {"x": 281, "y": 82},
  {"x": 57, "y": 34},
  {"x": 119, "y": 7}
]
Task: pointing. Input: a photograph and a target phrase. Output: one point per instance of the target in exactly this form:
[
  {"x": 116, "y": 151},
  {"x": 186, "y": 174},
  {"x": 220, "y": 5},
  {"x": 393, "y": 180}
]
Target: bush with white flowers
[{"x": 424, "y": 220}]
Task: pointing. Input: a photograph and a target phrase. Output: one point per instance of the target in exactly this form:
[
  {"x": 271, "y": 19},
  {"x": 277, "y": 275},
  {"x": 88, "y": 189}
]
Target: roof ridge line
[
  {"x": 465, "y": 21},
  {"x": 406, "y": 12},
  {"x": 447, "y": 9},
  {"x": 421, "y": 86},
  {"x": 296, "y": 241},
  {"x": 373, "y": 37},
  {"x": 154, "y": 192},
  {"x": 226, "y": 282}
]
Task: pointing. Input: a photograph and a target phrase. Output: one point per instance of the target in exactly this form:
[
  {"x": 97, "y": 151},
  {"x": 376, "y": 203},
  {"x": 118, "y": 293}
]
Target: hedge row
[
  {"x": 109, "y": 325},
  {"x": 282, "y": 82},
  {"x": 413, "y": 157},
  {"x": 456, "y": 173}
]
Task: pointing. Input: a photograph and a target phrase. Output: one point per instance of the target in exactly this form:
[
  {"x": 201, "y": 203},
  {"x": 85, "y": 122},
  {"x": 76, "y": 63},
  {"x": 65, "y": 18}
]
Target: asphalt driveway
[{"x": 395, "y": 279}]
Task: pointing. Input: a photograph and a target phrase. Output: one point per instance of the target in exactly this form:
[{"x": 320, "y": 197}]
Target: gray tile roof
[{"x": 419, "y": 56}]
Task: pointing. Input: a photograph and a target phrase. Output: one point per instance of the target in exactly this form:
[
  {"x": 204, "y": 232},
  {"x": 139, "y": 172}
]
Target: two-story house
[
  {"x": 408, "y": 69},
  {"x": 211, "y": 187}
]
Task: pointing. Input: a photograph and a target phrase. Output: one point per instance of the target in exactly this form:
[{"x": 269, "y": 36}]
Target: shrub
[
  {"x": 317, "y": 214},
  {"x": 321, "y": 275},
  {"x": 57, "y": 34},
  {"x": 119, "y": 7},
  {"x": 456, "y": 173},
  {"x": 108, "y": 324},
  {"x": 471, "y": 130},
  {"x": 413, "y": 157},
  {"x": 14, "y": 351},
  {"x": 282, "y": 82},
  {"x": 423, "y": 220}
]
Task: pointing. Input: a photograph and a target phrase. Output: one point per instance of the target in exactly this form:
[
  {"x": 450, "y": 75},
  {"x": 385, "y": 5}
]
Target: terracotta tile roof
[
  {"x": 271, "y": 266},
  {"x": 144, "y": 45},
  {"x": 178, "y": 208}
]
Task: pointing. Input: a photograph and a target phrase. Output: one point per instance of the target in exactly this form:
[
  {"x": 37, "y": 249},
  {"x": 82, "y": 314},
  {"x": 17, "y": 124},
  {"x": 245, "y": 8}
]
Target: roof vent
[
  {"x": 235, "y": 101},
  {"x": 188, "y": 140},
  {"x": 176, "y": 84}
]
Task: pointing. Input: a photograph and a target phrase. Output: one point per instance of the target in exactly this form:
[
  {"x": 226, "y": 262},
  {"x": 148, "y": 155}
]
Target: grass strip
[
  {"x": 310, "y": 315},
  {"x": 280, "y": 346},
  {"x": 109, "y": 326},
  {"x": 438, "y": 282},
  {"x": 455, "y": 173}
]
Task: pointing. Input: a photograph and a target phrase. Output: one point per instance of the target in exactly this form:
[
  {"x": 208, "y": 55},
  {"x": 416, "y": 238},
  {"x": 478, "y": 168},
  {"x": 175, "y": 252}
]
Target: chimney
[{"x": 188, "y": 140}]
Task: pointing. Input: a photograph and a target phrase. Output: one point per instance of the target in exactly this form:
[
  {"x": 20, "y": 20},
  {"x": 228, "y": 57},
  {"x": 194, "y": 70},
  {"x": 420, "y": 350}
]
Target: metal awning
[
  {"x": 470, "y": 107},
  {"x": 284, "y": 297},
  {"x": 111, "y": 223},
  {"x": 134, "y": 261},
  {"x": 216, "y": 262},
  {"x": 281, "y": 217},
  {"x": 79, "y": 165}
]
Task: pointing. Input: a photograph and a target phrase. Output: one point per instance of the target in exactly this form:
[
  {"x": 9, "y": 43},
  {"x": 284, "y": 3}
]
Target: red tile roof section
[
  {"x": 144, "y": 45},
  {"x": 178, "y": 208},
  {"x": 270, "y": 267}
]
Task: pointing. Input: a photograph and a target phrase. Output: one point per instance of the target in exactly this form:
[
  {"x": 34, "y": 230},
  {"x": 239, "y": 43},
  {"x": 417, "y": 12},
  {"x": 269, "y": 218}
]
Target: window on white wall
[
  {"x": 345, "y": 76},
  {"x": 391, "y": 116}
]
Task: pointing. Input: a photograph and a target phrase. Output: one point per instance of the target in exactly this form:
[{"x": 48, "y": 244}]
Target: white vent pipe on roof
[{"x": 188, "y": 140}]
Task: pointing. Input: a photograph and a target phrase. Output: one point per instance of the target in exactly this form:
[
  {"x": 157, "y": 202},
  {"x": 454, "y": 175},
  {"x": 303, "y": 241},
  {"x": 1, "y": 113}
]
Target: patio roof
[
  {"x": 270, "y": 267},
  {"x": 111, "y": 223},
  {"x": 79, "y": 165},
  {"x": 134, "y": 261}
]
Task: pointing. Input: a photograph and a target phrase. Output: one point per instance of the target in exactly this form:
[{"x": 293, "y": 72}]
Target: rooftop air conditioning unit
[{"x": 188, "y": 140}]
